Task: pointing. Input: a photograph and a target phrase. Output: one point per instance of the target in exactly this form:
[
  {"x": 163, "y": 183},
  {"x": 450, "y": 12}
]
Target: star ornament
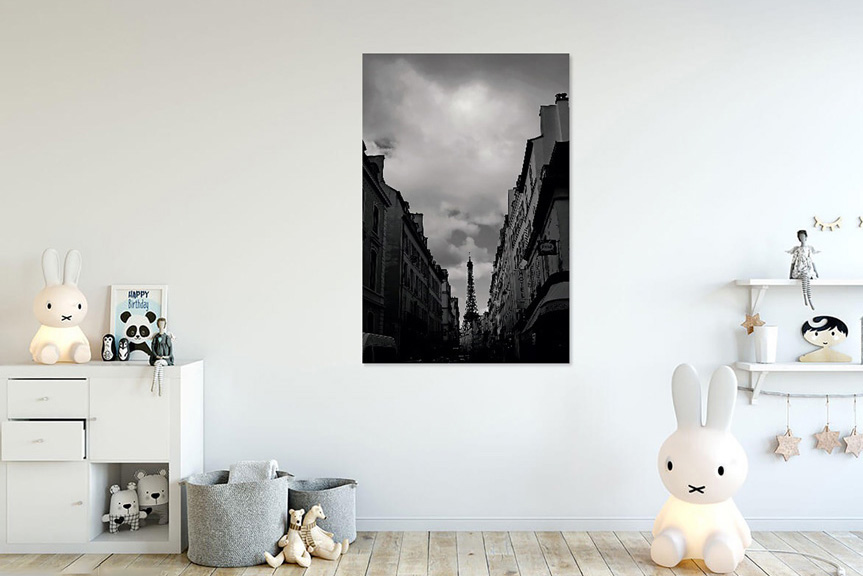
[
  {"x": 788, "y": 445},
  {"x": 827, "y": 440},
  {"x": 854, "y": 443},
  {"x": 751, "y": 322}
]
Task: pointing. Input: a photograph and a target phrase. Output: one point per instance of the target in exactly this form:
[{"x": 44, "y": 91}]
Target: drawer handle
[
  {"x": 43, "y": 399},
  {"x": 78, "y": 503},
  {"x": 38, "y": 440},
  {"x": 93, "y": 419}
]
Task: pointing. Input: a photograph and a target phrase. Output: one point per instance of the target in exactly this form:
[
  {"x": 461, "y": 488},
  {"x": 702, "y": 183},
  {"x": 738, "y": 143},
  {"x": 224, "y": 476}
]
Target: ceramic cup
[{"x": 766, "y": 338}]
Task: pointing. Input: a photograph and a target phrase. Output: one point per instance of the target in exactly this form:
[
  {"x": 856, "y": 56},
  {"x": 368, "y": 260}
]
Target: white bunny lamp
[
  {"x": 60, "y": 308},
  {"x": 702, "y": 466}
]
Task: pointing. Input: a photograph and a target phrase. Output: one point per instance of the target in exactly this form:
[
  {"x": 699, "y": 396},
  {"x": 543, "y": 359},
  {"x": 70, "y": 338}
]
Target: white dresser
[{"x": 70, "y": 431}]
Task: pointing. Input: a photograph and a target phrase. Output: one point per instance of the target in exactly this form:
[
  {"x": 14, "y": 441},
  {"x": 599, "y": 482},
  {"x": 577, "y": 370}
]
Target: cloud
[{"x": 453, "y": 130}]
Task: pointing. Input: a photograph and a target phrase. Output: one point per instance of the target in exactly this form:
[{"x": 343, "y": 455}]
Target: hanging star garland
[
  {"x": 827, "y": 440},
  {"x": 788, "y": 445},
  {"x": 751, "y": 322},
  {"x": 854, "y": 443}
]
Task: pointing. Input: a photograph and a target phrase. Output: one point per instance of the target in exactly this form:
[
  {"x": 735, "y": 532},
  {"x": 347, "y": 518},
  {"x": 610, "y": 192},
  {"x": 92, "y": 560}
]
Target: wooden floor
[{"x": 486, "y": 554}]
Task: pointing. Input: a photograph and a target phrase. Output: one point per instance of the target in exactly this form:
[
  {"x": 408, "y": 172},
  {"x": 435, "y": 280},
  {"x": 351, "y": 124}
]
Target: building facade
[
  {"x": 412, "y": 280},
  {"x": 529, "y": 293},
  {"x": 375, "y": 206}
]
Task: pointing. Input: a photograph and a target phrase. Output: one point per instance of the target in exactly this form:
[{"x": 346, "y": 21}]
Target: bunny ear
[
  {"x": 51, "y": 267},
  {"x": 721, "y": 398},
  {"x": 72, "y": 269},
  {"x": 686, "y": 393}
]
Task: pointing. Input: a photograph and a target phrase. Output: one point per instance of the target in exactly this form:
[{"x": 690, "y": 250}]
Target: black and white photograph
[{"x": 466, "y": 240}]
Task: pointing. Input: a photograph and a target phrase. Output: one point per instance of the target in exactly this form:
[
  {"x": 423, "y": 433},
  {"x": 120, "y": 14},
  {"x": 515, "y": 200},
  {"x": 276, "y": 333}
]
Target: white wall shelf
[
  {"x": 759, "y": 286},
  {"x": 758, "y": 372}
]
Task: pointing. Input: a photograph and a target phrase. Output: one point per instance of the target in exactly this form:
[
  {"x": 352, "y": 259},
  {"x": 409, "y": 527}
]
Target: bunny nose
[{"x": 699, "y": 489}]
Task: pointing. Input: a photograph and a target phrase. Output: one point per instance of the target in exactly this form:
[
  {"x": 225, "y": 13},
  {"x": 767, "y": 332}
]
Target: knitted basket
[
  {"x": 234, "y": 524},
  {"x": 338, "y": 498}
]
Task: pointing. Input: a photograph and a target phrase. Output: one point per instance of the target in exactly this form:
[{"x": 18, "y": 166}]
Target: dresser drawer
[
  {"x": 47, "y": 398},
  {"x": 43, "y": 441}
]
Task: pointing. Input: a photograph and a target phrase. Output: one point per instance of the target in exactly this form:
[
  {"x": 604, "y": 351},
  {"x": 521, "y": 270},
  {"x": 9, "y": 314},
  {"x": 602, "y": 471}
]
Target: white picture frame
[{"x": 145, "y": 303}]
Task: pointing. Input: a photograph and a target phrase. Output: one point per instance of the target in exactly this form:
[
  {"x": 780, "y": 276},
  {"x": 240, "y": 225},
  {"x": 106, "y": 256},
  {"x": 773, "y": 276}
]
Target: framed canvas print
[
  {"x": 466, "y": 242},
  {"x": 134, "y": 311}
]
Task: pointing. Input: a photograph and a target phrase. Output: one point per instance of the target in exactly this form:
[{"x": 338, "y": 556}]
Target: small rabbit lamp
[
  {"x": 702, "y": 465},
  {"x": 60, "y": 307}
]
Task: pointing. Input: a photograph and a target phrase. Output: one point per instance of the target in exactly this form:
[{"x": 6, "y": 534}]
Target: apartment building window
[
  {"x": 376, "y": 220},
  {"x": 373, "y": 271}
]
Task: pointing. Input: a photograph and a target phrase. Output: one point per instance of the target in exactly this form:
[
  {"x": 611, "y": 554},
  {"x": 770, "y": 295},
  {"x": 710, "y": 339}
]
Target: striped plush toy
[{"x": 124, "y": 509}]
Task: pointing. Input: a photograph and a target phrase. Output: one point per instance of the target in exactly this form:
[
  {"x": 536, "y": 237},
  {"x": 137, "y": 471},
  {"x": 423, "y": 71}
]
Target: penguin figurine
[
  {"x": 123, "y": 350},
  {"x": 109, "y": 348}
]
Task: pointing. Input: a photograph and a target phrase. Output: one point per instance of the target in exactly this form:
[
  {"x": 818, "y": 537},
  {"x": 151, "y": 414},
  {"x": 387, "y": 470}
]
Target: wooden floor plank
[
  {"x": 639, "y": 550},
  {"x": 849, "y": 539},
  {"x": 471, "y": 554},
  {"x": 749, "y": 568},
  {"x": 770, "y": 563},
  {"x": 259, "y": 570},
  {"x": 196, "y": 570},
  {"x": 557, "y": 555},
  {"x": 528, "y": 554},
  {"x": 443, "y": 554},
  {"x": 85, "y": 564},
  {"x": 837, "y": 549},
  {"x": 238, "y": 571},
  {"x": 586, "y": 555},
  {"x": 363, "y": 544},
  {"x": 414, "y": 556},
  {"x": 385, "y": 554},
  {"x": 802, "y": 544},
  {"x": 116, "y": 564},
  {"x": 499, "y": 554},
  {"x": 322, "y": 567},
  {"x": 615, "y": 555},
  {"x": 800, "y": 564},
  {"x": 174, "y": 565},
  {"x": 353, "y": 564}
]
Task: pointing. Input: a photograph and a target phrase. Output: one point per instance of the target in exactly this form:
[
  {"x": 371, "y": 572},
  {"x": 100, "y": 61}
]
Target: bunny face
[
  {"x": 703, "y": 464},
  {"x": 60, "y": 304}
]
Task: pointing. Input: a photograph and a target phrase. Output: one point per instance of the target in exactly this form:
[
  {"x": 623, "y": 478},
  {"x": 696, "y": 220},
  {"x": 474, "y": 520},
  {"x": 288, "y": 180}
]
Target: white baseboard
[{"x": 581, "y": 524}]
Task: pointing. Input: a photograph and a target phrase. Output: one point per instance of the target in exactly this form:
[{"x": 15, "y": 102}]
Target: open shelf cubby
[{"x": 105, "y": 474}]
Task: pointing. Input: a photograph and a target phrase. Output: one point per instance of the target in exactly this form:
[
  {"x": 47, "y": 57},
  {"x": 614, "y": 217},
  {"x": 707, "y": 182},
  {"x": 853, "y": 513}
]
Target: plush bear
[
  {"x": 153, "y": 494},
  {"x": 124, "y": 509},
  {"x": 293, "y": 548},
  {"x": 318, "y": 541}
]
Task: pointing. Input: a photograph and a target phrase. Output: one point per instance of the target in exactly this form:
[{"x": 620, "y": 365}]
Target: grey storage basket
[
  {"x": 234, "y": 524},
  {"x": 338, "y": 498}
]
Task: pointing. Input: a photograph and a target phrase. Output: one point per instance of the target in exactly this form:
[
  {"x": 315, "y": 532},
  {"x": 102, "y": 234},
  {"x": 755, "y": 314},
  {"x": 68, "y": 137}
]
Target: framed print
[
  {"x": 465, "y": 208},
  {"x": 134, "y": 311}
]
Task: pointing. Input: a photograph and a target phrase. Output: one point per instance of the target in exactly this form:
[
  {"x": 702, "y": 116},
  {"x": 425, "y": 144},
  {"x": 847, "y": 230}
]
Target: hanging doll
[{"x": 803, "y": 267}]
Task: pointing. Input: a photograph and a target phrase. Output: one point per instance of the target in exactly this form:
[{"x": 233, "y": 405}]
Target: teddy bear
[
  {"x": 293, "y": 548},
  {"x": 123, "y": 509},
  {"x": 318, "y": 541},
  {"x": 153, "y": 494}
]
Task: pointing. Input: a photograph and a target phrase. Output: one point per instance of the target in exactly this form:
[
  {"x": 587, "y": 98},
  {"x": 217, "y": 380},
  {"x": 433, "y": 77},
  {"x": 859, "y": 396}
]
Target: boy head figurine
[{"x": 824, "y": 332}]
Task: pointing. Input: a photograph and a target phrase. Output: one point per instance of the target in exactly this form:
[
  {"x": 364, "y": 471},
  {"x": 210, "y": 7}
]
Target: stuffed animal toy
[
  {"x": 123, "y": 510},
  {"x": 318, "y": 541},
  {"x": 60, "y": 307},
  {"x": 293, "y": 548},
  {"x": 702, "y": 466},
  {"x": 153, "y": 494}
]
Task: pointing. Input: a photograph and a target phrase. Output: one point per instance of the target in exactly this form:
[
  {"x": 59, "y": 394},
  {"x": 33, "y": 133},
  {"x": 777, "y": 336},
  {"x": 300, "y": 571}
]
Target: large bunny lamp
[
  {"x": 702, "y": 466},
  {"x": 60, "y": 307}
]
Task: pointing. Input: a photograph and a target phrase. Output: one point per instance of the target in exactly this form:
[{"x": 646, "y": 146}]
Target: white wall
[{"x": 215, "y": 147}]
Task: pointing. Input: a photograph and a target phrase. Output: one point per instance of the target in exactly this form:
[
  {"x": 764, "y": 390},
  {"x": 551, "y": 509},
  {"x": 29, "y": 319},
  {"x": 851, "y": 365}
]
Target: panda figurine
[
  {"x": 123, "y": 350},
  {"x": 109, "y": 348}
]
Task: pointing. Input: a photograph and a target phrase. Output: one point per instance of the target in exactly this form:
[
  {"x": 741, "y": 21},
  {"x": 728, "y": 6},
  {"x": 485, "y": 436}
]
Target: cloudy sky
[{"x": 453, "y": 129}]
